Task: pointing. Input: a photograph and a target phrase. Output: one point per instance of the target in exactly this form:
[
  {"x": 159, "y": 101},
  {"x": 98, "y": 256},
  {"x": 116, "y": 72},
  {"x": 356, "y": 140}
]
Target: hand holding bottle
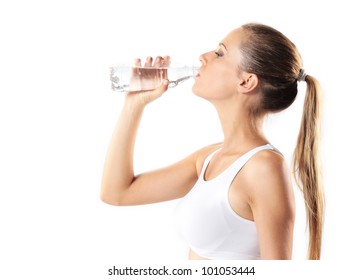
[
  {"x": 151, "y": 76},
  {"x": 144, "y": 83},
  {"x": 148, "y": 77}
]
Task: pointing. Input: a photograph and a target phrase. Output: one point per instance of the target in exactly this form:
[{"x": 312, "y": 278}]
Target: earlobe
[{"x": 248, "y": 83}]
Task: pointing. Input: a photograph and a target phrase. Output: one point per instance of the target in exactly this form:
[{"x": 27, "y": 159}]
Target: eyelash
[{"x": 219, "y": 54}]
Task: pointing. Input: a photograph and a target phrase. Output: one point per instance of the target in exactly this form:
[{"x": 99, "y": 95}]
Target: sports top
[{"x": 207, "y": 222}]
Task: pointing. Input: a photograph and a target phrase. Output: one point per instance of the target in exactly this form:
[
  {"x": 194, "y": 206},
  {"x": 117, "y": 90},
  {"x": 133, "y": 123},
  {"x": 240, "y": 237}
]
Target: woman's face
[{"x": 218, "y": 76}]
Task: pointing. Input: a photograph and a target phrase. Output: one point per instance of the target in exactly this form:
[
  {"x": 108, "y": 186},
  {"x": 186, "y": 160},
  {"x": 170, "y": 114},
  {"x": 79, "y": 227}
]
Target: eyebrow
[{"x": 223, "y": 45}]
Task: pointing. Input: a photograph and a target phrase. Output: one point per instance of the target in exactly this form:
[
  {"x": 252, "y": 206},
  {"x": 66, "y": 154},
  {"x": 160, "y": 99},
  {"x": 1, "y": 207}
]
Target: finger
[
  {"x": 137, "y": 62},
  {"x": 166, "y": 61},
  {"x": 158, "y": 61},
  {"x": 148, "y": 61}
]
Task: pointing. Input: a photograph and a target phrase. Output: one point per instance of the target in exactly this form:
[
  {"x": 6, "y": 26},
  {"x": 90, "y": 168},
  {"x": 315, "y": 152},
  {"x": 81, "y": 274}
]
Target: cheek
[{"x": 215, "y": 87}]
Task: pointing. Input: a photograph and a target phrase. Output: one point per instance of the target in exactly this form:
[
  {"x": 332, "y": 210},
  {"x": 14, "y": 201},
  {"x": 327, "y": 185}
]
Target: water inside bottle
[
  {"x": 126, "y": 78},
  {"x": 132, "y": 78}
]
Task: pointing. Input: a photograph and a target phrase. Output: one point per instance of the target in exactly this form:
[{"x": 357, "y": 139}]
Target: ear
[{"x": 248, "y": 83}]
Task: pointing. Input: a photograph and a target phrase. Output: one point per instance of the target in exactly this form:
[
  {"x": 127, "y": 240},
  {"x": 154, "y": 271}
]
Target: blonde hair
[
  {"x": 307, "y": 166},
  {"x": 276, "y": 61}
]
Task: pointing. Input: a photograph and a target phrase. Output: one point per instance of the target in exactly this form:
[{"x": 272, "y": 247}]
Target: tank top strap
[
  {"x": 242, "y": 160},
  {"x": 206, "y": 162}
]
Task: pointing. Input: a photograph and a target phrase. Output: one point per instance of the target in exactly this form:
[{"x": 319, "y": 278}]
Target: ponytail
[{"x": 307, "y": 169}]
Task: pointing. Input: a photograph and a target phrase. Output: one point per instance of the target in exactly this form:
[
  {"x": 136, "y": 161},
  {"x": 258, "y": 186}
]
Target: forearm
[
  {"x": 118, "y": 174},
  {"x": 118, "y": 169}
]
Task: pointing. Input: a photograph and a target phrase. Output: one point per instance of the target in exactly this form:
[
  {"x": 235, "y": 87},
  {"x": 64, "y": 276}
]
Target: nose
[{"x": 203, "y": 58}]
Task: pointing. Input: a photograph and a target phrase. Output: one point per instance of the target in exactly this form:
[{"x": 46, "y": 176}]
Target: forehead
[
  {"x": 234, "y": 38},
  {"x": 232, "y": 43}
]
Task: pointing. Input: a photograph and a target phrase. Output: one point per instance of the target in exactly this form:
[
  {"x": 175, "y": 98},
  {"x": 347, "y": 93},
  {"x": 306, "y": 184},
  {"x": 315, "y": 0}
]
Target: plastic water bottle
[{"x": 130, "y": 78}]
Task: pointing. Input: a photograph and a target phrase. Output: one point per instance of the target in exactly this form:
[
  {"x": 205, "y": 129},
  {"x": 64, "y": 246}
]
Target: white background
[{"x": 57, "y": 113}]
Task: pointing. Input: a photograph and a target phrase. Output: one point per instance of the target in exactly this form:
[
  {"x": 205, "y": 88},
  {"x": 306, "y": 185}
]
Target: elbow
[
  {"x": 115, "y": 193},
  {"x": 111, "y": 198},
  {"x": 110, "y": 201}
]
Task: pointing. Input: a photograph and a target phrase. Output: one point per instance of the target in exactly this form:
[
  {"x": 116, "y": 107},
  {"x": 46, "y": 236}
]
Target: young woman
[{"x": 237, "y": 197}]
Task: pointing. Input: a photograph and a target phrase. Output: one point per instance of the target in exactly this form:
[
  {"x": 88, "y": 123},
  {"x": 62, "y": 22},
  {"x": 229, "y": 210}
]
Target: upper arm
[
  {"x": 171, "y": 182},
  {"x": 163, "y": 184},
  {"x": 272, "y": 203}
]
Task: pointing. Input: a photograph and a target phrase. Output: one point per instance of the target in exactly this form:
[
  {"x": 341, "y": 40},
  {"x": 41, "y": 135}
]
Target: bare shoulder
[
  {"x": 268, "y": 161},
  {"x": 267, "y": 177}
]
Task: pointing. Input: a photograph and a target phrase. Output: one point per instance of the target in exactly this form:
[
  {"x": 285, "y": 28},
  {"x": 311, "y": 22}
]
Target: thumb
[
  {"x": 163, "y": 87},
  {"x": 165, "y": 84},
  {"x": 150, "y": 96}
]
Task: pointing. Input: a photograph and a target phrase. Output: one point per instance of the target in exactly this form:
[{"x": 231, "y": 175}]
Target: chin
[{"x": 196, "y": 91}]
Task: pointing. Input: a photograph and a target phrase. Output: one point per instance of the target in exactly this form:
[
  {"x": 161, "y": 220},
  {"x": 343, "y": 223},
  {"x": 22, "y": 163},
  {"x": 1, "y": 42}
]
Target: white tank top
[{"x": 207, "y": 222}]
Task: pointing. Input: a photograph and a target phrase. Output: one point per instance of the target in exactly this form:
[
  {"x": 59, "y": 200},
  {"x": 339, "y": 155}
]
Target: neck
[{"x": 240, "y": 131}]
